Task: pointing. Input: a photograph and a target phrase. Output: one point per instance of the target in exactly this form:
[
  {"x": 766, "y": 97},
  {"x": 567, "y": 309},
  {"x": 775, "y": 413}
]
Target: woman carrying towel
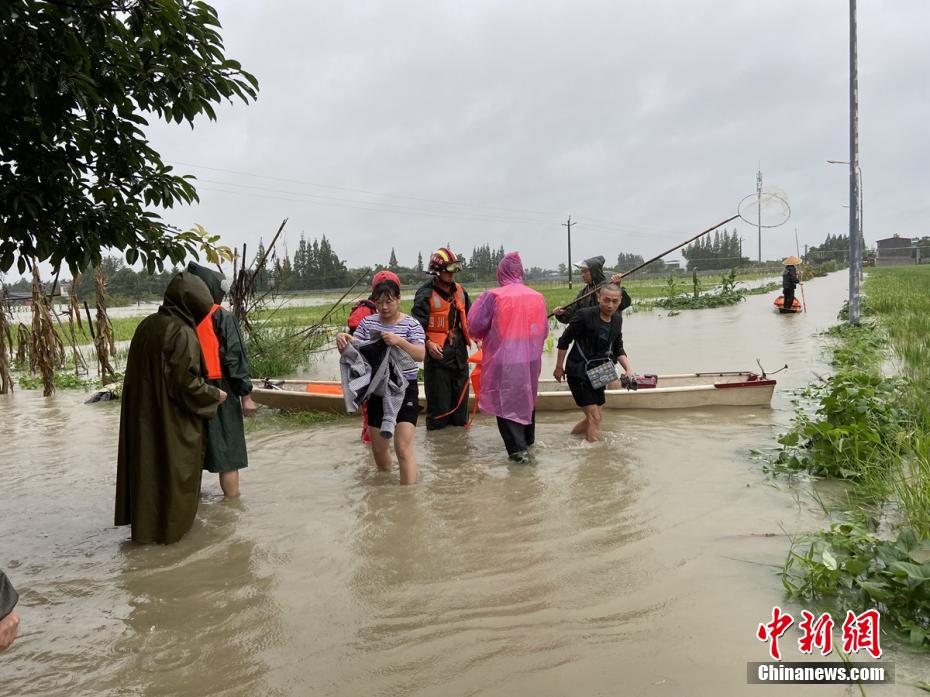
[{"x": 395, "y": 329}]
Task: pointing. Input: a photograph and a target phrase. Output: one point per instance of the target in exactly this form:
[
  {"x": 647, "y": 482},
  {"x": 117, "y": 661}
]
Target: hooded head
[
  {"x": 215, "y": 281},
  {"x": 187, "y": 298},
  {"x": 510, "y": 270},
  {"x": 596, "y": 266}
]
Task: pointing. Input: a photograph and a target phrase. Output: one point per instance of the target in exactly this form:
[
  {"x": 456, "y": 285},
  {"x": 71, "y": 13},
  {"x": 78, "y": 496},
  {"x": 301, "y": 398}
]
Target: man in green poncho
[
  {"x": 227, "y": 369},
  {"x": 165, "y": 402}
]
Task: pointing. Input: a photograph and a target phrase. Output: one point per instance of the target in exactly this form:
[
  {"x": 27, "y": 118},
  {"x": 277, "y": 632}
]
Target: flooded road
[{"x": 640, "y": 565}]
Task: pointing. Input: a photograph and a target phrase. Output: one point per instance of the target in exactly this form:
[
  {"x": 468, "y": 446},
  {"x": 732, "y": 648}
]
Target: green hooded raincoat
[{"x": 226, "y": 450}]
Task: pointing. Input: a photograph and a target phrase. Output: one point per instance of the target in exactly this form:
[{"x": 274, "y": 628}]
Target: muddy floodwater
[{"x": 639, "y": 565}]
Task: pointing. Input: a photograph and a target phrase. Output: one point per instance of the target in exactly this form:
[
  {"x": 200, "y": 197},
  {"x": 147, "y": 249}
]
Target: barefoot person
[
  {"x": 228, "y": 369},
  {"x": 395, "y": 329},
  {"x": 596, "y": 337},
  {"x": 361, "y": 310}
]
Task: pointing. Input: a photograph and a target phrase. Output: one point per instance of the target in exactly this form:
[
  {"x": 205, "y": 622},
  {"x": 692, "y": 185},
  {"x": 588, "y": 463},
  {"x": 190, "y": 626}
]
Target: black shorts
[
  {"x": 409, "y": 408},
  {"x": 584, "y": 394}
]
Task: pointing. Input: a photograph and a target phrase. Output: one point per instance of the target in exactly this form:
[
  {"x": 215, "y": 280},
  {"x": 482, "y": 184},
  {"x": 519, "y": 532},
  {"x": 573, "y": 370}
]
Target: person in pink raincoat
[{"x": 511, "y": 322}]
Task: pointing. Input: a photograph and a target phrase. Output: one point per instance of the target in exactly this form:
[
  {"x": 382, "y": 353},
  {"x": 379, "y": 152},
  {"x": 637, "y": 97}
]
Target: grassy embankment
[{"x": 868, "y": 424}]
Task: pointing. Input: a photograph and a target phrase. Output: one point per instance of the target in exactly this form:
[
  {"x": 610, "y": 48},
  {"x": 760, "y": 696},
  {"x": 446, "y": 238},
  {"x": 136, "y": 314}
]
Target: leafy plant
[
  {"x": 80, "y": 81},
  {"x": 857, "y": 422},
  {"x": 62, "y": 381},
  {"x": 847, "y": 566}
]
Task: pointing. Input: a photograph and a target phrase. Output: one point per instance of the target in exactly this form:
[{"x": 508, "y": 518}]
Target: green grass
[{"x": 873, "y": 429}]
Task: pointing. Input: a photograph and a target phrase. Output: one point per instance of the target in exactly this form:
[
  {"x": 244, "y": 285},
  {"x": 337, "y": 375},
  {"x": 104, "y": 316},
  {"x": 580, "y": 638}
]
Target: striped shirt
[{"x": 406, "y": 328}]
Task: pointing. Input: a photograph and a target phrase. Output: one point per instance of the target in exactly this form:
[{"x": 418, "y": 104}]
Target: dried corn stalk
[
  {"x": 74, "y": 308},
  {"x": 46, "y": 346},
  {"x": 103, "y": 341},
  {"x": 23, "y": 344},
  {"x": 6, "y": 350}
]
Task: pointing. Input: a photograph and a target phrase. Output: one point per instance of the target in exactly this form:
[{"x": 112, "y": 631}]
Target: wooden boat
[
  {"x": 780, "y": 305},
  {"x": 683, "y": 391}
]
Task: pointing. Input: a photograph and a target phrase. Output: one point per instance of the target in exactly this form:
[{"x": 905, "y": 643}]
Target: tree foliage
[
  {"x": 625, "y": 261},
  {"x": 315, "y": 265},
  {"x": 835, "y": 247},
  {"x": 484, "y": 260},
  {"x": 720, "y": 251},
  {"x": 78, "y": 81}
]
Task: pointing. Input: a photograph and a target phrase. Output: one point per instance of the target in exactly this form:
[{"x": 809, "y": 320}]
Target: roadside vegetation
[{"x": 868, "y": 424}]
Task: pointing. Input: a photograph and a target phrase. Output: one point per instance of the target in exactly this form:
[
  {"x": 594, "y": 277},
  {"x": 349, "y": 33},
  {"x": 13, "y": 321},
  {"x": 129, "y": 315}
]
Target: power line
[
  {"x": 434, "y": 214},
  {"x": 593, "y": 223},
  {"x": 364, "y": 191},
  {"x": 322, "y": 200}
]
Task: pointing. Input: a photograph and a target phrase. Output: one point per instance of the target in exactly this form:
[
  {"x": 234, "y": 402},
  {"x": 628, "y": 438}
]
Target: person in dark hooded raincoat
[
  {"x": 162, "y": 432},
  {"x": 592, "y": 273},
  {"x": 226, "y": 452}
]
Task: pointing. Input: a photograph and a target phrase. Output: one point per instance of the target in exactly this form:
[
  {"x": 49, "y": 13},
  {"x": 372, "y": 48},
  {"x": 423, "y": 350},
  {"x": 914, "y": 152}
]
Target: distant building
[
  {"x": 672, "y": 266},
  {"x": 895, "y": 250}
]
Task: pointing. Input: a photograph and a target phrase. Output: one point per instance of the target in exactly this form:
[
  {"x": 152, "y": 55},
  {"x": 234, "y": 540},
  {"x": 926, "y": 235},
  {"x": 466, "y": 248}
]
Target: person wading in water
[
  {"x": 596, "y": 337},
  {"x": 395, "y": 329},
  {"x": 360, "y": 311},
  {"x": 441, "y": 305}
]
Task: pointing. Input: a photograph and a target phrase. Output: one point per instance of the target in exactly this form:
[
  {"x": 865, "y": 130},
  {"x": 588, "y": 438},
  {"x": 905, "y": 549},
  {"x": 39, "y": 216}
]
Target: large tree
[{"x": 78, "y": 81}]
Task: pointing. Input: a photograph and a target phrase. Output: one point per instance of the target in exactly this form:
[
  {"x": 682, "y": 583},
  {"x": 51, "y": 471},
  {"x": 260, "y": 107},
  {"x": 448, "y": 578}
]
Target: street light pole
[
  {"x": 854, "y": 229},
  {"x": 759, "y": 209},
  {"x": 569, "y": 226}
]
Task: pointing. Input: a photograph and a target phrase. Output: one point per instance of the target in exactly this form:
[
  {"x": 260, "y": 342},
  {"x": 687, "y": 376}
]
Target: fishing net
[{"x": 766, "y": 209}]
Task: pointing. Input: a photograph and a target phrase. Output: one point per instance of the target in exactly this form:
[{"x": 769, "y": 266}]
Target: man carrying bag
[{"x": 597, "y": 335}]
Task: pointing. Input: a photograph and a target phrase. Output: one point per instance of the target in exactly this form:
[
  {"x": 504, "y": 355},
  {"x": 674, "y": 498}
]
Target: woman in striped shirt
[{"x": 395, "y": 329}]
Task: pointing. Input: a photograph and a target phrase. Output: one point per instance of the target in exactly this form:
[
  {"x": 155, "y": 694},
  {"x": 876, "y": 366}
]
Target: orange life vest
[
  {"x": 210, "y": 345},
  {"x": 437, "y": 330}
]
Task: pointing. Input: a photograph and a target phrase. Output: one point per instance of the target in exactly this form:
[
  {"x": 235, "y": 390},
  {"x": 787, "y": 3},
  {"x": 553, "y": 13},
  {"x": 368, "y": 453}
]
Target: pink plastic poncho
[{"x": 511, "y": 322}]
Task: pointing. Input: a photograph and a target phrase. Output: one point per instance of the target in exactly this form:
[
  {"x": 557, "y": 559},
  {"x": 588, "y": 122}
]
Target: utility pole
[
  {"x": 569, "y": 226},
  {"x": 854, "y": 229},
  {"x": 759, "y": 208}
]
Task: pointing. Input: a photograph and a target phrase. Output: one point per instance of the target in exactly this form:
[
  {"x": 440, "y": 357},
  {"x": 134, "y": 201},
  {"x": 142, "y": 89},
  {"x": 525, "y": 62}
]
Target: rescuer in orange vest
[
  {"x": 227, "y": 368},
  {"x": 441, "y": 305}
]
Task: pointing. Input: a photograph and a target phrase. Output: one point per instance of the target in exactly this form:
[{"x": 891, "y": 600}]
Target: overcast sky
[{"x": 413, "y": 124}]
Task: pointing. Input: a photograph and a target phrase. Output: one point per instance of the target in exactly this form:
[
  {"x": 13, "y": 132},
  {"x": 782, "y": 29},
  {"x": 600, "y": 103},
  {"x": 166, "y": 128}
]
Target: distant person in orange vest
[
  {"x": 228, "y": 369},
  {"x": 441, "y": 305},
  {"x": 361, "y": 310}
]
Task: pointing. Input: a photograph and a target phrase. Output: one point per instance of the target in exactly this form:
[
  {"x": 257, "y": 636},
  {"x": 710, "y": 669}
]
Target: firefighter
[{"x": 441, "y": 305}]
